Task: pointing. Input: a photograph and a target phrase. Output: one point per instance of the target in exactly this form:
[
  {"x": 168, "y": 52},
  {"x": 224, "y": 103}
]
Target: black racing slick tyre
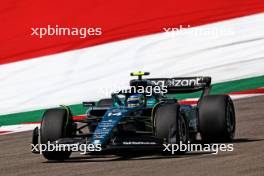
[
  {"x": 35, "y": 137},
  {"x": 55, "y": 124},
  {"x": 170, "y": 125},
  {"x": 217, "y": 121}
]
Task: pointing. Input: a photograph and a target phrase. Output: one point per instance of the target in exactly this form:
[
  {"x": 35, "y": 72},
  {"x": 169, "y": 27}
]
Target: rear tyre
[
  {"x": 217, "y": 122},
  {"x": 170, "y": 125},
  {"x": 35, "y": 141},
  {"x": 55, "y": 124}
]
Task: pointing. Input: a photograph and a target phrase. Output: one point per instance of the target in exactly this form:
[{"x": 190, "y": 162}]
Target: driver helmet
[{"x": 136, "y": 100}]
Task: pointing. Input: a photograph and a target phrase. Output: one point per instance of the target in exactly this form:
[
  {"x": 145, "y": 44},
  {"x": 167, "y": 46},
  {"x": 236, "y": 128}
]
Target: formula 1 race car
[{"x": 141, "y": 118}]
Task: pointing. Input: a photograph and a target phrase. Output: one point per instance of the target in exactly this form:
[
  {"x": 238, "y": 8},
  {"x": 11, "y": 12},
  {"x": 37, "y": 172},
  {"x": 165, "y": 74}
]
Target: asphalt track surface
[{"x": 246, "y": 159}]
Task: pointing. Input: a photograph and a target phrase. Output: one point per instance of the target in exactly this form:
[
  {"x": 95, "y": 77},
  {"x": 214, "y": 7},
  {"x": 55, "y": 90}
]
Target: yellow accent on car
[{"x": 139, "y": 73}]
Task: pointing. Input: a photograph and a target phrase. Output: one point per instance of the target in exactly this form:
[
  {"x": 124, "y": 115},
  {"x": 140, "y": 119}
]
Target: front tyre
[
  {"x": 55, "y": 124},
  {"x": 170, "y": 125}
]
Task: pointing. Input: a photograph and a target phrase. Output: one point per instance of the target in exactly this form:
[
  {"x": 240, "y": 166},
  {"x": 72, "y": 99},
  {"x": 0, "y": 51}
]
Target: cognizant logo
[
  {"x": 174, "y": 82},
  {"x": 184, "y": 82}
]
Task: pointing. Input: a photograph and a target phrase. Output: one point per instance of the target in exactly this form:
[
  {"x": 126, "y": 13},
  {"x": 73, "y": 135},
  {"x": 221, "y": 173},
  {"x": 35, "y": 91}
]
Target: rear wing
[{"x": 184, "y": 84}]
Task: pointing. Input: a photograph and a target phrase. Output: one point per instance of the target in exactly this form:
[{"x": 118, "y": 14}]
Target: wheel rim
[
  {"x": 182, "y": 130},
  {"x": 230, "y": 121}
]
